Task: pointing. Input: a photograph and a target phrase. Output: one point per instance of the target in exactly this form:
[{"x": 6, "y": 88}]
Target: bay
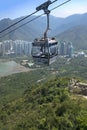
[{"x": 10, "y": 67}]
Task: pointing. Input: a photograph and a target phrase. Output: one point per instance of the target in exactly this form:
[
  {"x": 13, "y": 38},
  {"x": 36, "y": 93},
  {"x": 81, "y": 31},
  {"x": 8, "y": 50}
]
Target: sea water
[{"x": 7, "y": 68}]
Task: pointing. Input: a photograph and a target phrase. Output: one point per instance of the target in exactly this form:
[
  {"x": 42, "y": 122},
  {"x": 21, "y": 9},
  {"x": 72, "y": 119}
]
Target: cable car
[{"x": 45, "y": 50}]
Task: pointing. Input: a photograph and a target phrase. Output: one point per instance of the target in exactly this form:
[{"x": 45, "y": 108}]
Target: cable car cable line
[
  {"x": 29, "y": 20},
  {"x": 21, "y": 25},
  {"x": 18, "y": 21},
  {"x": 60, "y": 4},
  {"x": 24, "y": 18}
]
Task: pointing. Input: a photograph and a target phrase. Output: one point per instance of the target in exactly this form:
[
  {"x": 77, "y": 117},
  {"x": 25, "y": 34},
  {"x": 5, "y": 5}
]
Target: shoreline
[{"x": 12, "y": 67}]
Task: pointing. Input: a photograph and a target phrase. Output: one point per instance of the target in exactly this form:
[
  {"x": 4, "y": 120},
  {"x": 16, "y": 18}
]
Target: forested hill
[
  {"x": 76, "y": 35},
  {"x": 47, "y": 106},
  {"x": 75, "y": 25}
]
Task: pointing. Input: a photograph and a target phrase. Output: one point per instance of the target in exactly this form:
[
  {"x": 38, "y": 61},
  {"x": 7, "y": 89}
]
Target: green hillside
[
  {"x": 18, "y": 83},
  {"x": 41, "y": 99},
  {"x": 48, "y": 106},
  {"x": 76, "y": 35},
  {"x": 13, "y": 86}
]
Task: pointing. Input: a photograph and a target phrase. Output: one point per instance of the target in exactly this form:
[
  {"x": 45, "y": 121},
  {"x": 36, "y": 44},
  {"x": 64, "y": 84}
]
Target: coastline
[{"x": 11, "y": 67}]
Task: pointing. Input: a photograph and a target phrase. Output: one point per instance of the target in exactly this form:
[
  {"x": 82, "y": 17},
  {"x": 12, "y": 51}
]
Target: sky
[{"x": 17, "y": 8}]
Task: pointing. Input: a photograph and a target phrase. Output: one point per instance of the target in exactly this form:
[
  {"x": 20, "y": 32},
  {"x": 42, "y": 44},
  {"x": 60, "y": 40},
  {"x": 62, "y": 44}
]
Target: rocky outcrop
[{"x": 78, "y": 87}]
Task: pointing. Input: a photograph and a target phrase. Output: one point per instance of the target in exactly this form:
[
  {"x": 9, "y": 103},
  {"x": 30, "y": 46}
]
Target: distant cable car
[{"x": 45, "y": 50}]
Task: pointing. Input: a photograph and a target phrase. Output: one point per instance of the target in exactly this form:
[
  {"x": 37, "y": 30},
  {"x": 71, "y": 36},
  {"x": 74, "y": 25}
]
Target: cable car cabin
[{"x": 44, "y": 51}]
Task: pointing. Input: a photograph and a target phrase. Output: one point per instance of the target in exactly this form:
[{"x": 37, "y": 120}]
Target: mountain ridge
[
  {"x": 36, "y": 28},
  {"x": 76, "y": 35}
]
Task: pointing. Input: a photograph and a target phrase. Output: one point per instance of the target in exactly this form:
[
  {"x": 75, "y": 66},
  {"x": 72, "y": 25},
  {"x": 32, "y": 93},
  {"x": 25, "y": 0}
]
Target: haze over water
[{"x": 7, "y": 68}]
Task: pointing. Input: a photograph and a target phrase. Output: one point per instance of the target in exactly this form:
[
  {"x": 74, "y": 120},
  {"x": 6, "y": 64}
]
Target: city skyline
[{"x": 17, "y": 8}]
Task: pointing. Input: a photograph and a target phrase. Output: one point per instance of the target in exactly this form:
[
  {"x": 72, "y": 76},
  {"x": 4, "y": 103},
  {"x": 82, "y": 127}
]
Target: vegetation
[
  {"x": 71, "y": 67},
  {"x": 40, "y": 99},
  {"x": 18, "y": 83},
  {"x": 47, "y": 106},
  {"x": 13, "y": 86}
]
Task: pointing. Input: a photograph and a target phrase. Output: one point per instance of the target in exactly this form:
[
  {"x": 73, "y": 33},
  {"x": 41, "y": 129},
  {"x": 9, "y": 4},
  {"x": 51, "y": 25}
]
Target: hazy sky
[{"x": 16, "y": 8}]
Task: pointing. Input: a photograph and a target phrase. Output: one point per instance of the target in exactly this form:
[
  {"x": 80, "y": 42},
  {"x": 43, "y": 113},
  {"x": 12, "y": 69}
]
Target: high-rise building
[
  {"x": 17, "y": 46},
  {"x": 21, "y": 47},
  {"x": 0, "y": 48},
  {"x": 69, "y": 51},
  {"x": 27, "y": 48},
  {"x": 62, "y": 48}
]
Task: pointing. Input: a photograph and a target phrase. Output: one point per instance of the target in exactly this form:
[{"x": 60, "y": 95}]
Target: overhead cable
[
  {"x": 61, "y": 4},
  {"x": 32, "y": 19},
  {"x": 23, "y": 19},
  {"x": 21, "y": 25},
  {"x": 18, "y": 22}
]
